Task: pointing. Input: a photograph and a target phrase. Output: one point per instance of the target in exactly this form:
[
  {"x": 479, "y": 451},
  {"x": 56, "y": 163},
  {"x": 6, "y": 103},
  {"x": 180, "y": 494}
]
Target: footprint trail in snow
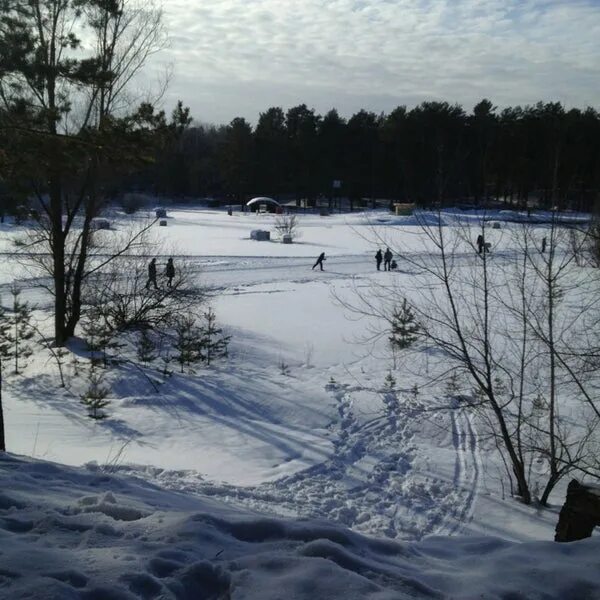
[{"x": 372, "y": 482}]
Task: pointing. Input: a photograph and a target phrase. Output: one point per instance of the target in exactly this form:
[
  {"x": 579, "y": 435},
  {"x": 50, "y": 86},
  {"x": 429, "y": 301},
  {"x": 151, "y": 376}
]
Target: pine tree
[
  {"x": 187, "y": 340},
  {"x": 98, "y": 336},
  {"x": 94, "y": 397},
  {"x": 452, "y": 386},
  {"x": 414, "y": 392},
  {"x": 405, "y": 328},
  {"x": 146, "y": 347},
  {"x": 213, "y": 344},
  {"x": 389, "y": 381},
  {"x": 16, "y": 331},
  {"x": 5, "y": 326}
]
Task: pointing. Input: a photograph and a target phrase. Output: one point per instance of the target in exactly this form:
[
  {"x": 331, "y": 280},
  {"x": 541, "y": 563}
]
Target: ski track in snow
[
  {"x": 370, "y": 483},
  {"x": 467, "y": 470}
]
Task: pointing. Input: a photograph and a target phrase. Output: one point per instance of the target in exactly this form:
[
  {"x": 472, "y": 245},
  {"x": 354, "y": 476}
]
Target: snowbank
[{"x": 74, "y": 533}]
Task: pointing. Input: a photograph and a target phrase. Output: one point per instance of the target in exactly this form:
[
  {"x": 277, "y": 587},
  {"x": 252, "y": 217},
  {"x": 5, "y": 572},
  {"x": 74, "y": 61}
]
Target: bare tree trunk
[
  {"x": 2, "y": 438},
  {"x": 57, "y": 243}
]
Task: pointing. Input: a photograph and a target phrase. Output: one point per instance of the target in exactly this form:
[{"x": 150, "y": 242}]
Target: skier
[
  {"x": 379, "y": 258},
  {"x": 152, "y": 274},
  {"x": 170, "y": 271},
  {"x": 387, "y": 260},
  {"x": 320, "y": 260}
]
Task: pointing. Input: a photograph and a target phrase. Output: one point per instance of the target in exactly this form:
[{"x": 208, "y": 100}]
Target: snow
[
  {"x": 201, "y": 481},
  {"x": 86, "y": 533}
]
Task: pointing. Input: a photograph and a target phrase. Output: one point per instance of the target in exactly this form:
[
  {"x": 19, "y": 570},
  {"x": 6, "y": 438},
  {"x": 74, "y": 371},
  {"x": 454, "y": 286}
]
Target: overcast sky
[{"x": 239, "y": 57}]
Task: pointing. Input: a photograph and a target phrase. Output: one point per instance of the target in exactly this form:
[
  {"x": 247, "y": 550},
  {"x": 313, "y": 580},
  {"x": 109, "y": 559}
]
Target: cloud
[{"x": 238, "y": 57}]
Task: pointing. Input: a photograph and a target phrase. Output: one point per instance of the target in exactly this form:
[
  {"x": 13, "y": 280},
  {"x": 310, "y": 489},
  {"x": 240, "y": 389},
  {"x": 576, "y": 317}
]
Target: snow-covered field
[{"x": 217, "y": 456}]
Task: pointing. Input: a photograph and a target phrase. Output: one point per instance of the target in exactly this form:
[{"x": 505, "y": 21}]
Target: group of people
[
  {"x": 482, "y": 246},
  {"x": 386, "y": 258},
  {"x": 169, "y": 273}
]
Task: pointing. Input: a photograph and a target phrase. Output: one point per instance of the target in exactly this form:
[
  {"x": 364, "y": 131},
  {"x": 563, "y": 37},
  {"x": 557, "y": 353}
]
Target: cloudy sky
[{"x": 239, "y": 57}]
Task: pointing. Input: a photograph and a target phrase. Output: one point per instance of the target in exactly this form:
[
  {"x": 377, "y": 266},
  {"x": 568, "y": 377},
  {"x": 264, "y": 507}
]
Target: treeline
[{"x": 433, "y": 153}]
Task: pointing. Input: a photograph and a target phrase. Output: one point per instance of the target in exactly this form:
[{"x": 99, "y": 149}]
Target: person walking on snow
[
  {"x": 387, "y": 260},
  {"x": 320, "y": 260},
  {"x": 152, "y": 274},
  {"x": 480, "y": 244},
  {"x": 170, "y": 271},
  {"x": 379, "y": 258}
]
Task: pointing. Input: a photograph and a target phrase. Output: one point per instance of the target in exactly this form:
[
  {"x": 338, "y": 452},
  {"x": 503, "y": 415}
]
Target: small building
[
  {"x": 263, "y": 204},
  {"x": 161, "y": 213},
  {"x": 402, "y": 209}
]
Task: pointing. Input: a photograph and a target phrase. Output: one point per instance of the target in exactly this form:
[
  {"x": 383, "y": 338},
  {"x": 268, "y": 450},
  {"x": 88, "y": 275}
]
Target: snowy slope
[
  {"x": 69, "y": 533},
  {"x": 324, "y": 441}
]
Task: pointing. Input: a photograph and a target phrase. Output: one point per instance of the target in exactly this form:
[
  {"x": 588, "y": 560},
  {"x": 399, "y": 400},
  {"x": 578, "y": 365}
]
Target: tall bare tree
[
  {"x": 513, "y": 327},
  {"x": 69, "y": 121}
]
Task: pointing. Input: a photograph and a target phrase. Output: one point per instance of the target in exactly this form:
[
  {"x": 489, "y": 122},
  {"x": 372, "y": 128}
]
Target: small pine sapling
[
  {"x": 95, "y": 396},
  {"x": 146, "y": 348},
  {"x": 414, "y": 392},
  {"x": 405, "y": 327},
  {"x": 213, "y": 344},
  {"x": 451, "y": 385},
  {"x": 389, "y": 382},
  {"x": 75, "y": 364},
  {"x": 188, "y": 340},
  {"x": 20, "y": 330},
  {"x": 98, "y": 335},
  {"x": 165, "y": 371},
  {"x": 58, "y": 353},
  {"x": 284, "y": 368},
  {"x": 5, "y": 326}
]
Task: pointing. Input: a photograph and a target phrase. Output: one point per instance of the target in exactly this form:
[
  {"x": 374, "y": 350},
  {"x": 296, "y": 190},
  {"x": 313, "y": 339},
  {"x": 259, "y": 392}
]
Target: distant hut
[{"x": 264, "y": 204}]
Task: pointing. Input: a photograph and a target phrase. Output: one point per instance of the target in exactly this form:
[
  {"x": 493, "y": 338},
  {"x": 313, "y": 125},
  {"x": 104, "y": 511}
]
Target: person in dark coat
[
  {"x": 480, "y": 244},
  {"x": 170, "y": 271},
  {"x": 379, "y": 258},
  {"x": 544, "y": 242},
  {"x": 152, "y": 274},
  {"x": 320, "y": 260},
  {"x": 387, "y": 260}
]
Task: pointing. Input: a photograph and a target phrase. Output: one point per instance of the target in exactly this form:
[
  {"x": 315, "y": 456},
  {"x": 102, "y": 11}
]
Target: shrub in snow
[
  {"x": 451, "y": 385},
  {"x": 389, "y": 382},
  {"x": 213, "y": 344},
  {"x": 94, "y": 398},
  {"x": 125, "y": 303},
  {"x": 284, "y": 368},
  {"x": 287, "y": 226},
  {"x": 187, "y": 340},
  {"x": 405, "y": 328},
  {"x": 99, "y": 335},
  {"x": 145, "y": 347}
]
